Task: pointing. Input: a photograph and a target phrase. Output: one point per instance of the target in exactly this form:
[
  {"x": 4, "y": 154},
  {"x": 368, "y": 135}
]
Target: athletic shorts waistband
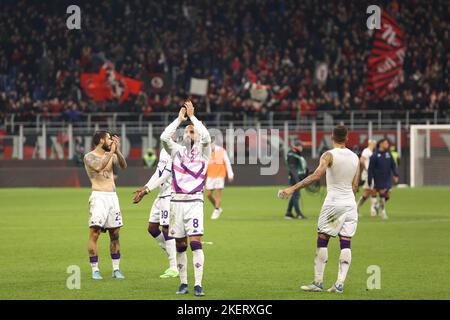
[
  {"x": 190, "y": 194},
  {"x": 182, "y": 197},
  {"x": 103, "y": 193},
  {"x": 187, "y": 200}
]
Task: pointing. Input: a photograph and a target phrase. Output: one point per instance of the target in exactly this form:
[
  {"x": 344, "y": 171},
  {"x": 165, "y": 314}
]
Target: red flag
[
  {"x": 109, "y": 84},
  {"x": 385, "y": 63}
]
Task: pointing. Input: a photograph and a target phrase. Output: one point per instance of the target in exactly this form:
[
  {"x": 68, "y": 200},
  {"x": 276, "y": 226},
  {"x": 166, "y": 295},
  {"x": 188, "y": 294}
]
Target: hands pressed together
[{"x": 186, "y": 109}]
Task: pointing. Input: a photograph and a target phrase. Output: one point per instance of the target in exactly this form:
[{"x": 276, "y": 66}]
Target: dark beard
[
  {"x": 188, "y": 143},
  {"x": 106, "y": 147}
]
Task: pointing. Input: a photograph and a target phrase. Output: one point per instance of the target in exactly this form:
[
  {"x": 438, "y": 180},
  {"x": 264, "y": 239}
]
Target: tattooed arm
[
  {"x": 325, "y": 161},
  {"x": 119, "y": 160},
  {"x": 97, "y": 163}
]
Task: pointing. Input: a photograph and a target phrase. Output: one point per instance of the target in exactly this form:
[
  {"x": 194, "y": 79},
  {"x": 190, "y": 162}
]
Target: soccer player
[
  {"x": 159, "y": 213},
  {"x": 219, "y": 166},
  {"x": 381, "y": 168},
  {"x": 298, "y": 170},
  {"x": 367, "y": 188},
  {"x": 339, "y": 214},
  {"x": 104, "y": 207},
  {"x": 189, "y": 164}
]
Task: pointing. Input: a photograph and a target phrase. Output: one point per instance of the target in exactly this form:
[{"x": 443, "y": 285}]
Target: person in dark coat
[
  {"x": 298, "y": 170},
  {"x": 381, "y": 169}
]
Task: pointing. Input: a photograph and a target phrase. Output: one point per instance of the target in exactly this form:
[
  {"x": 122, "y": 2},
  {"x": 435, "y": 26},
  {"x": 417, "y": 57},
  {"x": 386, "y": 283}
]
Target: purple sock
[
  {"x": 196, "y": 245},
  {"x": 345, "y": 244},
  {"x": 322, "y": 243},
  {"x": 93, "y": 259},
  {"x": 115, "y": 256}
]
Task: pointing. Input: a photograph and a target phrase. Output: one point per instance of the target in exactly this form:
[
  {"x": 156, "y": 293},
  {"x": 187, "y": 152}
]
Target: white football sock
[
  {"x": 382, "y": 202},
  {"x": 344, "y": 264},
  {"x": 94, "y": 266},
  {"x": 373, "y": 201},
  {"x": 171, "y": 253},
  {"x": 319, "y": 263},
  {"x": 198, "y": 259},
  {"x": 115, "y": 264},
  {"x": 182, "y": 266},
  {"x": 161, "y": 241},
  {"x": 94, "y": 263}
]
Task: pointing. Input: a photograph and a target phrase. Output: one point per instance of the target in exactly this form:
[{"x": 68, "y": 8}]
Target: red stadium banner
[
  {"x": 109, "y": 84},
  {"x": 385, "y": 63}
]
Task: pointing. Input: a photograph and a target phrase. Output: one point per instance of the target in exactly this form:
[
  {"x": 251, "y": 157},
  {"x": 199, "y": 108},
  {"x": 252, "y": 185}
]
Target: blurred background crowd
[{"x": 279, "y": 42}]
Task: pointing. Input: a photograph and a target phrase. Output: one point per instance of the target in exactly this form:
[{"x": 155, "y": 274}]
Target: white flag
[{"x": 199, "y": 86}]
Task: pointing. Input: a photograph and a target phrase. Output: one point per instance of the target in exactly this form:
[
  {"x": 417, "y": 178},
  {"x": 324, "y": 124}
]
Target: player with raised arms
[
  {"x": 159, "y": 213},
  {"x": 189, "y": 165},
  {"x": 338, "y": 215},
  {"x": 104, "y": 207}
]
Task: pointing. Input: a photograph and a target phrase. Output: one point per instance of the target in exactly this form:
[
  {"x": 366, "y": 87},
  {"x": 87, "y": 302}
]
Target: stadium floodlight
[{"x": 430, "y": 155}]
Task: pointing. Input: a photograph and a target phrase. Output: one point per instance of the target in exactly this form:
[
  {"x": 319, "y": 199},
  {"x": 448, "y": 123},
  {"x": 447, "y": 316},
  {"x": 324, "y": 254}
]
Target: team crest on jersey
[{"x": 189, "y": 154}]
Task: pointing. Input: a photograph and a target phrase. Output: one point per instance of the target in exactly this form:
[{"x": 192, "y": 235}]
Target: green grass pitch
[{"x": 255, "y": 253}]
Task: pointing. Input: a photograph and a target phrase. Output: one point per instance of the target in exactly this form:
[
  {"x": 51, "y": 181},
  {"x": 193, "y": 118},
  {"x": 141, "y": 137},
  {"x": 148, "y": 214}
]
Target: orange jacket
[{"x": 219, "y": 165}]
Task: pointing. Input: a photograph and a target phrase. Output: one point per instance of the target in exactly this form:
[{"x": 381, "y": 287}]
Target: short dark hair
[
  {"x": 381, "y": 141},
  {"x": 99, "y": 135},
  {"x": 340, "y": 134}
]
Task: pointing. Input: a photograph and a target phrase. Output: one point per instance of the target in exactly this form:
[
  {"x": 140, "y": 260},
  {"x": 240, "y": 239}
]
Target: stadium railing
[{"x": 355, "y": 119}]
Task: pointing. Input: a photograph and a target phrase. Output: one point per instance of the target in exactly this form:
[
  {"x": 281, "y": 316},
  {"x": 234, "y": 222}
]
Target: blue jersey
[{"x": 381, "y": 166}]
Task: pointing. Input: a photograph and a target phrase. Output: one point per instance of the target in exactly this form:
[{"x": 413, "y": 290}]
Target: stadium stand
[{"x": 225, "y": 41}]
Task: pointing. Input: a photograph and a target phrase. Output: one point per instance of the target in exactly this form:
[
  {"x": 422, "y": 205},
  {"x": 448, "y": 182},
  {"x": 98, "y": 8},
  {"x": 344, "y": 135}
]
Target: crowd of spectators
[{"x": 279, "y": 41}]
